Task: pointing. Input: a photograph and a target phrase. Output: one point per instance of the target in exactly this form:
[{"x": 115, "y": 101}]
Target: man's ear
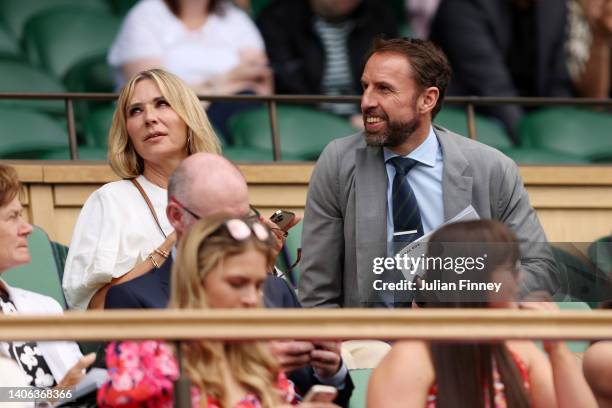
[
  {"x": 175, "y": 216},
  {"x": 428, "y": 99}
]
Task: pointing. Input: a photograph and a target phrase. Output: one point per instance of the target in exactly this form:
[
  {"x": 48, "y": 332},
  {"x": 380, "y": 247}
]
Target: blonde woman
[
  {"x": 221, "y": 263},
  {"x": 122, "y": 231}
]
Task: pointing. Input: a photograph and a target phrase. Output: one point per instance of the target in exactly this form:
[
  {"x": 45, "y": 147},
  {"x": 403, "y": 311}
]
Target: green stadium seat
[
  {"x": 304, "y": 131},
  {"x": 84, "y": 34},
  {"x": 488, "y": 131},
  {"x": 15, "y": 13},
  {"x": 531, "y": 155},
  {"x": 41, "y": 274},
  {"x": 92, "y": 74},
  {"x": 9, "y": 49},
  {"x": 360, "y": 378},
  {"x": 19, "y": 76},
  {"x": 581, "y": 132},
  {"x": 97, "y": 124},
  {"x": 121, "y": 7},
  {"x": 28, "y": 133},
  {"x": 60, "y": 253}
]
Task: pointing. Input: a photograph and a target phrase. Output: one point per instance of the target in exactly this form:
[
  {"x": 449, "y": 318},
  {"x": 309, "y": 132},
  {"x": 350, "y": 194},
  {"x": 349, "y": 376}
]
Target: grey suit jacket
[{"x": 346, "y": 209}]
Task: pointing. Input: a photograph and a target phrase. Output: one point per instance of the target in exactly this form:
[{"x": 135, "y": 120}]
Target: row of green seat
[{"x": 549, "y": 136}]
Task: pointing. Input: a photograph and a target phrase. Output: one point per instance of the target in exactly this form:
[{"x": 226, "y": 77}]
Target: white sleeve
[
  {"x": 138, "y": 38},
  {"x": 92, "y": 257}
]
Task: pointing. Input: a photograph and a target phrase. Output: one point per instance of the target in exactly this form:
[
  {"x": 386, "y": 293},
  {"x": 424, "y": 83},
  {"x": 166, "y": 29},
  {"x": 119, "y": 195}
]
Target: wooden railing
[{"x": 261, "y": 324}]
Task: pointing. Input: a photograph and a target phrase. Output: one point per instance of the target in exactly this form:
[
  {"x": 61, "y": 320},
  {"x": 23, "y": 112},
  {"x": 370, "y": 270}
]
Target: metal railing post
[
  {"x": 72, "y": 139},
  {"x": 276, "y": 148},
  {"x": 471, "y": 121}
]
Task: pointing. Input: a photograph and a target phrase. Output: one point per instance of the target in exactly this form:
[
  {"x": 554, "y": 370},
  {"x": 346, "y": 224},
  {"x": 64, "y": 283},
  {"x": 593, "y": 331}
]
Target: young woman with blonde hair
[
  {"x": 122, "y": 231},
  {"x": 221, "y": 263}
]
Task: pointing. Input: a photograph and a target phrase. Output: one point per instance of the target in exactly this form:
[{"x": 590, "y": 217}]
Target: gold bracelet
[
  {"x": 155, "y": 264},
  {"x": 162, "y": 253}
]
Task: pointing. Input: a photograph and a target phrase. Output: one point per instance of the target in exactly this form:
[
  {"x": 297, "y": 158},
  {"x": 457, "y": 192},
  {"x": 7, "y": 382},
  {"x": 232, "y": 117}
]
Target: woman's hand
[{"x": 77, "y": 372}]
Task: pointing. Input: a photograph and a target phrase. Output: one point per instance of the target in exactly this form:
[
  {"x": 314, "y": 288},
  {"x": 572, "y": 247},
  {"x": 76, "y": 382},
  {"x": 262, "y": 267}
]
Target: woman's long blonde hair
[
  {"x": 204, "y": 246},
  {"x": 124, "y": 160}
]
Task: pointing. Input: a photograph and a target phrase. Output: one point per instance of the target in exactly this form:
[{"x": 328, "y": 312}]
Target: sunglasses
[
  {"x": 242, "y": 229},
  {"x": 252, "y": 215}
]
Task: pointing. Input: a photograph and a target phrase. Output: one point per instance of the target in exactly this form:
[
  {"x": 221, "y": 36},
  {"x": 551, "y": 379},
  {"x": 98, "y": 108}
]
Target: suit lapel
[
  {"x": 456, "y": 178},
  {"x": 371, "y": 212}
]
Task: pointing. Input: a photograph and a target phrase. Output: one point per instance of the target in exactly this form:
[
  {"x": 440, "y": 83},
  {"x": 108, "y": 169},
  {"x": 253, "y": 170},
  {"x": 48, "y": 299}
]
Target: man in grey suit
[{"x": 349, "y": 219}]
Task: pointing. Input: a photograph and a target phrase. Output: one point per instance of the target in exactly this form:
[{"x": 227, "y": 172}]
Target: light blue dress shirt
[{"x": 425, "y": 179}]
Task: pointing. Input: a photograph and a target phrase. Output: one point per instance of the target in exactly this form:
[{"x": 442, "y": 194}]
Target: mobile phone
[
  {"x": 282, "y": 218},
  {"x": 321, "y": 393}
]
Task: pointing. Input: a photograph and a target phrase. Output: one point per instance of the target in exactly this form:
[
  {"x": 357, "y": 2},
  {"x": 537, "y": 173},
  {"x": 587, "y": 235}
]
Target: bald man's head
[{"x": 205, "y": 183}]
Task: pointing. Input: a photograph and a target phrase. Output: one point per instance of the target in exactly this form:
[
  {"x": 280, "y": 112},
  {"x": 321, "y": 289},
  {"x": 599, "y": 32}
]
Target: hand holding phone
[{"x": 282, "y": 218}]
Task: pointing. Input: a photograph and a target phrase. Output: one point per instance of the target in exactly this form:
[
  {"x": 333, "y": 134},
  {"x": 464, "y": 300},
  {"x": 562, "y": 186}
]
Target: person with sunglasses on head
[
  {"x": 122, "y": 230},
  {"x": 222, "y": 263},
  {"x": 206, "y": 184}
]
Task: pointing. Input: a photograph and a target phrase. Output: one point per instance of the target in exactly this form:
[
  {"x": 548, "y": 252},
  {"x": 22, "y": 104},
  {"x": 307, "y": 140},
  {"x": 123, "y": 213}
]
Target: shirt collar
[{"x": 425, "y": 153}]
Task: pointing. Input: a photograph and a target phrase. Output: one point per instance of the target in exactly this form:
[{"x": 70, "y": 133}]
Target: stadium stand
[
  {"x": 19, "y": 76},
  {"x": 15, "y": 13},
  {"x": 581, "y": 132},
  {"x": 304, "y": 131},
  {"x": 30, "y": 133}
]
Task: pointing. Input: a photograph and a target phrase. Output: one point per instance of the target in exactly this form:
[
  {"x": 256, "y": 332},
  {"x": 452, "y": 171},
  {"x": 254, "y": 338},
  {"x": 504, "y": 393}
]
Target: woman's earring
[{"x": 189, "y": 140}]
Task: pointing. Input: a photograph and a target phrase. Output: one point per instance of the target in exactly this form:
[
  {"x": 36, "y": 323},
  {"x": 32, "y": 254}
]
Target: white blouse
[
  {"x": 150, "y": 30},
  {"x": 114, "y": 232}
]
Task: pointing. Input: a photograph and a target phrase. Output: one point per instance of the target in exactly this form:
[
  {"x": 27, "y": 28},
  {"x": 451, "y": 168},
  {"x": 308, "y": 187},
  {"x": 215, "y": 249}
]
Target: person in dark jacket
[
  {"x": 504, "y": 48},
  {"x": 319, "y": 46}
]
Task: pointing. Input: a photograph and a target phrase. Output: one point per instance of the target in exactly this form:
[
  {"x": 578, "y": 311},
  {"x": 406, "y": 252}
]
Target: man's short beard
[{"x": 395, "y": 134}]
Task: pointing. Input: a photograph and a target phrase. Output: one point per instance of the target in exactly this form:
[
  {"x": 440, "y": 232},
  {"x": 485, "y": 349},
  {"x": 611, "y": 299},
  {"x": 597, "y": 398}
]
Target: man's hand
[
  {"x": 279, "y": 236},
  {"x": 325, "y": 358},
  {"x": 291, "y": 354},
  {"x": 77, "y": 372}
]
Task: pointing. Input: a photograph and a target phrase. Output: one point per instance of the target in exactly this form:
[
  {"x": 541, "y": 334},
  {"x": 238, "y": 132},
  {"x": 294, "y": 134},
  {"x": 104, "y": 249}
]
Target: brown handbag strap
[{"x": 146, "y": 198}]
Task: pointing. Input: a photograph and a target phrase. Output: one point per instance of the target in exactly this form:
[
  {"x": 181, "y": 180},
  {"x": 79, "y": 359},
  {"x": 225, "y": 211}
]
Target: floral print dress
[{"x": 142, "y": 374}]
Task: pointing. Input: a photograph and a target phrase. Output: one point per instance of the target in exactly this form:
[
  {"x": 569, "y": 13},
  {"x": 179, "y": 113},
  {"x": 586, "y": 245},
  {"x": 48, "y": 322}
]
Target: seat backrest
[
  {"x": 20, "y": 76},
  {"x": 25, "y": 134},
  {"x": 15, "y": 13},
  {"x": 8, "y": 45},
  {"x": 41, "y": 274},
  {"x": 581, "y": 132},
  {"x": 85, "y": 34},
  {"x": 488, "y": 131},
  {"x": 360, "y": 379},
  {"x": 304, "y": 131}
]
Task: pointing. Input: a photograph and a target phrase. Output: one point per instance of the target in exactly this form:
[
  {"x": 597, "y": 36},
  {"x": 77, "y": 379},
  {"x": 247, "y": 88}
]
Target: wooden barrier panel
[
  {"x": 574, "y": 203},
  {"x": 260, "y": 324}
]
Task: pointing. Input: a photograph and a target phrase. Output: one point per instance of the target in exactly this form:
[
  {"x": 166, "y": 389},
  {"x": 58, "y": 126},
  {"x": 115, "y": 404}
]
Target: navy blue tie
[{"x": 407, "y": 225}]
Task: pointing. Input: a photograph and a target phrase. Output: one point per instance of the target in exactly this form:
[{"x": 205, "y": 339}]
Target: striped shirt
[{"x": 337, "y": 76}]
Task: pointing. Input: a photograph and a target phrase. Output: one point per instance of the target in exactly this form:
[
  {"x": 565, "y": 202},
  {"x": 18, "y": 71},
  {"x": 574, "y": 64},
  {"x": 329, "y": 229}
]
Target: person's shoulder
[{"x": 114, "y": 188}]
